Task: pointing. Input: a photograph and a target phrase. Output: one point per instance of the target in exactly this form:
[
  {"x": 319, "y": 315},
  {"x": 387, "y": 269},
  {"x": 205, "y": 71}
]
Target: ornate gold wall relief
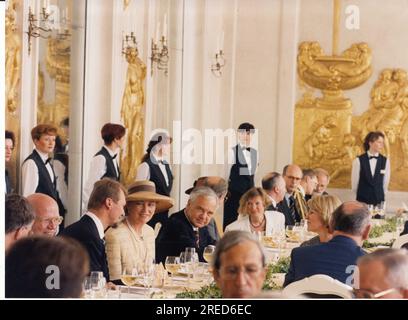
[
  {"x": 132, "y": 115},
  {"x": 12, "y": 82}
]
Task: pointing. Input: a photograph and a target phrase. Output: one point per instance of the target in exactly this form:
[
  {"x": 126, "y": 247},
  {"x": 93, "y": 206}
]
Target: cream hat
[{"x": 145, "y": 190}]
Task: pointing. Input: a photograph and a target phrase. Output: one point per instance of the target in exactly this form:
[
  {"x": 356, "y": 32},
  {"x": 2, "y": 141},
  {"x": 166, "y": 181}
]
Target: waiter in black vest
[
  {"x": 156, "y": 168},
  {"x": 105, "y": 162},
  {"x": 242, "y": 172},
  {"x": 37, "y": 171},
  {"x": 370, "y": 174}
]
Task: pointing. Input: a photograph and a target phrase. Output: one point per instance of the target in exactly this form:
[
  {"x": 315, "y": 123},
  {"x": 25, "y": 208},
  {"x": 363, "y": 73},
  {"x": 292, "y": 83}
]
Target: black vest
[
  {"x": 157, "y": 177},
  {"x": 370, "y": 188},
  {"x": 45, "y": 184},
  {"x": 240, "y": 179},
  {"x": 9, "y": 189},
  {"x": 110, "y": 165}
]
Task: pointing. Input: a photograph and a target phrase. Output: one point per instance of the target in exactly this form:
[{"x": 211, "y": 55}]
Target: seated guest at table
[
  {"x": 105, "y": 208},
  {"x": 132, "y": 241},
  {"x": 290, "y": 206},
  {"x": 220, "y": 187},
  {"x": 318, "y": 218},
  {"x": 44, "y": 267},
  {"x": 47, "y": 218},
  {"x": 19, "y": 218},
  {"x": 105, "y": 163},
  {"x": 383, "y": 274},
  {"x": 323, "y": 180},
  {"x": 253, "y": 217},
  {"x": 275, "y": 187},
  {"x": 239, "y": 265},
  {"x": 37, "y": 171},
  {"x": 187, "y": 228},
  {"x": 405, "y": 231},
  {"x": 308, "y": 183},
  {"x": 350, "y": 225},
  {"x": 9, "y": 142}
]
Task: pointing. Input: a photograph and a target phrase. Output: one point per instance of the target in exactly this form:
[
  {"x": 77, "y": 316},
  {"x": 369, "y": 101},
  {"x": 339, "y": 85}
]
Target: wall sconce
[
  {"x": 160, "y": 55},
  {"x": 218, "y": 64},
  {"x": 131, "y": 42},
  {"x": 45, "y": 25}
]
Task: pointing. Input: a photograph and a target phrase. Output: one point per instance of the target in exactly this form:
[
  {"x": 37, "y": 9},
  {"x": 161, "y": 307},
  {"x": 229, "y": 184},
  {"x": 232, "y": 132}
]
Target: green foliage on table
[
  {"x": 212, "y": 291},
  {"x": 390, "y": 225},
  {"x": 369, "y": 245}
]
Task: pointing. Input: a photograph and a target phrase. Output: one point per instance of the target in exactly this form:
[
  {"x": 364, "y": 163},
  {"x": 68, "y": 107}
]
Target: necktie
[
  {"x": 197, "y": 238},
  {"x": 292, "y": 207},
  {"x": 372, "y": 157}
]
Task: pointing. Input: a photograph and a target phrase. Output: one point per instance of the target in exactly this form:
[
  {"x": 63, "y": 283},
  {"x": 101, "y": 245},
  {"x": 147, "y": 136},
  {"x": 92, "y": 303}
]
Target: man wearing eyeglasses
[
  {"x": 47, "y": 218},
  {"x": 383, "y": 274},
  {"x": 239, "y": 265}
]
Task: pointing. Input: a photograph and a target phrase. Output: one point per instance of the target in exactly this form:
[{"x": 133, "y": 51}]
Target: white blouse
[{"x": 275, "y": 222}]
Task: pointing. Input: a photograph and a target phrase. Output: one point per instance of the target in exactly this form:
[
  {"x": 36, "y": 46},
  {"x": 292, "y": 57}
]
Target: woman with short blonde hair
[
  {"x": 253, "y": 216},
  {"x": 320, "y": 211}
]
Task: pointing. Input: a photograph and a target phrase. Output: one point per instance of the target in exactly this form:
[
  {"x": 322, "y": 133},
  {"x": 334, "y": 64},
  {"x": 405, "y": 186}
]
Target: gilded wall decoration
[
  {"x": 12, "y": 82},
  {"x": 132, "y": 115}
]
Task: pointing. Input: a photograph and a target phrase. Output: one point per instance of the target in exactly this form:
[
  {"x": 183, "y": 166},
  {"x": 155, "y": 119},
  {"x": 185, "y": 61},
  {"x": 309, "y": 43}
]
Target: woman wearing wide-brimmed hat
[{"x": 133, "y": 241}]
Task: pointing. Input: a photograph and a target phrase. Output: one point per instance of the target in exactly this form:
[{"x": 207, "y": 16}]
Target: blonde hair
[
  {"x": 252, "y": 193},
  {"x": 324, "y": 205}
]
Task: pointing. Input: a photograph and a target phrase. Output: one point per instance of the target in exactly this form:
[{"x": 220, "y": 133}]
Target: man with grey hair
[
  {"x": 350, "y": 226},
  {"x": 382, "y": 274},
  {"x": 239, "y": 265},
  {"x": 187, "y": 228},
  {"x": 275, "y": 187}
]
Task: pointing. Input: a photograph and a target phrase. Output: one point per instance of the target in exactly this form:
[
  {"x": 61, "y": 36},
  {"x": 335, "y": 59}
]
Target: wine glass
[
  {"x": 190, "y": 258},
  {"x": 208, "y": 253},
  {"x": 172, "y": 265},
  {"x": 129, "y": 276}
]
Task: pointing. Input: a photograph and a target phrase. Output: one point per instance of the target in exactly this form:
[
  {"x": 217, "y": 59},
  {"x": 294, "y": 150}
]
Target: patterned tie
[
  {"x": 197, "y": 238},
  {"x": 292, "y": 208}
]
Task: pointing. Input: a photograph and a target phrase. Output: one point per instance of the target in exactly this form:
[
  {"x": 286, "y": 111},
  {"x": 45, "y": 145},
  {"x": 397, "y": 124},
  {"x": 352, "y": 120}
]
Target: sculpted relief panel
[{"x": 327, "y": 135}]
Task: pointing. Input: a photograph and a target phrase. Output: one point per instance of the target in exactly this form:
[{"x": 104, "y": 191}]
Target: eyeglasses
[
  {"x": 231, "y": 273},
  {"x": 367, "y": 294},
  {"x": 56, "y": 220}
]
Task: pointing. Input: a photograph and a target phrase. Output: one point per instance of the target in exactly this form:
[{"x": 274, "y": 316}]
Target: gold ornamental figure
[
  {"x": 323, "y": 125},
  {"x": 132, "y": 115}
]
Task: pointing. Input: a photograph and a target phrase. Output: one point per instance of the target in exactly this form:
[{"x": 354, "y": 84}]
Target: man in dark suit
[
  {"x": 38, "y": 174},
  {"x": 187, "y": 228},
  {"x": 242, "y": 173},
  {"x": 308, "y": 184},
  {"x": 275, "y": 187},
  {"x": 290, "y": 206},
  {"x": 350, "y": 224},
  {"x": 105, "y": 208},
  {"x": 323, "y": 180}
]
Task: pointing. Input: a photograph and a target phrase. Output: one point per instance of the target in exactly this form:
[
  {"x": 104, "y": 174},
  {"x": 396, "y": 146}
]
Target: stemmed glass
[
  {"x": 129, "y": 277},
  {"x": 190, "y": 259},
  {"x": 208, "y": 253},
  {"x": 172, "y": 265}
]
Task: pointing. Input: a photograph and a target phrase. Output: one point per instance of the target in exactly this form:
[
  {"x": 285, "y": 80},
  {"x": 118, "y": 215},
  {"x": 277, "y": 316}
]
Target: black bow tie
[
  {"x": 114, "y": 157},
  {"x": 372, "y": 157},
  {"x": 247, "y": 149},
  {"x": 160, "y": 161},
  {"x": 47, "y": 161}
]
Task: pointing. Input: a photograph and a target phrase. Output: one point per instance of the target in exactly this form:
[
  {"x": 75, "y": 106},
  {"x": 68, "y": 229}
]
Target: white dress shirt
[
  {"x": 29, "y": 174},
  {"x": 62, "y": 187},
  {"x": 275, "y": 222},
  {"x": 98, "y": 223},
  {"x": 97, "y": 169},
  {"x": 231, "y": 158},
  {"x": 273, "y": 201},
  {"x": 355, "y": 172},
  {"x": 143, "y": 170}
]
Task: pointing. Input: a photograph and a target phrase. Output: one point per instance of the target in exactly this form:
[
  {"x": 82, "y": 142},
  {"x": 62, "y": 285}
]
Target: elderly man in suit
[
  {"x": 350, "y": 225},
  {"x": 187, "y": 228},
  {"x": 275, "y": 187},
  {"x": 105, "y": 208},
  {"x": 47, "y": 218}
]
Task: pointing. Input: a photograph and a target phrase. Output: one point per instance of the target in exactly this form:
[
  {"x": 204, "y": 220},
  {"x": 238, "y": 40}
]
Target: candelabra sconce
[
  {"x": 129, "y": 42},
  {"x": 218, "y": 64},
  {"x": 35, "y": 28},
  {"x": 160, "y": 56}
]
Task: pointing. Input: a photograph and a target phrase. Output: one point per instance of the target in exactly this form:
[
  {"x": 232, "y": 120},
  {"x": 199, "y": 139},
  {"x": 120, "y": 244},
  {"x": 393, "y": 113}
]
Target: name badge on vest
[{"x": 382, "y": 171}]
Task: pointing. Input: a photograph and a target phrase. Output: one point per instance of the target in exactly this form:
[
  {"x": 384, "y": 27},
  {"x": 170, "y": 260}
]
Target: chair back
[{"x": 400, "y": 242}]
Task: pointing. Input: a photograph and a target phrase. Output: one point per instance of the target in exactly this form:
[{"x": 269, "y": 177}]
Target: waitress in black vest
[
  {"x": 155, "y": 168},
  {"x": 242, "y": 172},
  {"x": 105, "y": 162},
  {"x": 37, "y": 172},
  {"x": 370, "y": 174}
]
